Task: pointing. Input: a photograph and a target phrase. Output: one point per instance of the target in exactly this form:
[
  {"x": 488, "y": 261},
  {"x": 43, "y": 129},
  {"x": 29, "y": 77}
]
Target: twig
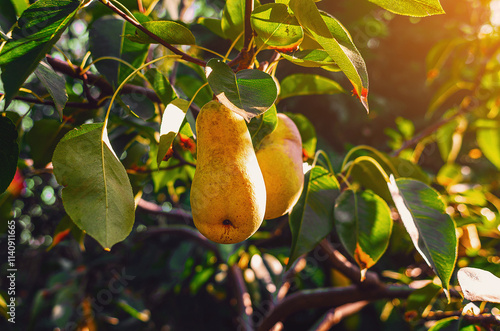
[
  {"x": 174, "y": 50},
  {"x": 335, "y": 315},
  {"x": 486, "y": 320},
  {"x": 153, "y": 208},
  {"x": 243, "y": 297},
  {"x": 83, "y": 105},
  {"x": 350, "y": 270},
  {"x": 99, "y": 81},
  {"x": 329, "y": 297}
]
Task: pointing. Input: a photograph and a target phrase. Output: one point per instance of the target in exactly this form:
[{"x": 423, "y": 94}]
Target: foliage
[{"x": 398, "y": 223}]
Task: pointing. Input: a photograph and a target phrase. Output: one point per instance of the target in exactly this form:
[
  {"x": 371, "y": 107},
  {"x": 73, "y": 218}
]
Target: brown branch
[
  {"x": 329, "y": 297},
  {"x": 487, "y": 320},
  {"x": 174, "y": 50},
  {"x": 155, "y": 209},
  {"x": 350, "y": 270},
  {"x": 335, "y": 315},
  {"x": 245, "y": 309},
  {"x": 98, "y": 81},
  {"x": 83, "y": 105},
  {"x": 245, "y": 56}
]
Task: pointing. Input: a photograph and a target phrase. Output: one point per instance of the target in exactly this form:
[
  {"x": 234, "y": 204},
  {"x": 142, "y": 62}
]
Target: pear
[
  {"x": 280, "y": 160},
  {"x": 228, "y": 194}
]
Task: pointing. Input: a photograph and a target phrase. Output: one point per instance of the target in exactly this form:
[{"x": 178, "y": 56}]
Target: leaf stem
[{"x": 372, "y": 161}]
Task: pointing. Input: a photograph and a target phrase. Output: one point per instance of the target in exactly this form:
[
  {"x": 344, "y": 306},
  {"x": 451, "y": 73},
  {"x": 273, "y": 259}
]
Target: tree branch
[
  {"x": 244, "y": 301},
  {"x": 333, "y": 297},
  {"x": 174, "y": 50},
  {"x": 350, "y": 270},
  {"x": 83, "y": 105},
  {"x": 335, "y": 315},
  {"x": 155, "y": 209}
]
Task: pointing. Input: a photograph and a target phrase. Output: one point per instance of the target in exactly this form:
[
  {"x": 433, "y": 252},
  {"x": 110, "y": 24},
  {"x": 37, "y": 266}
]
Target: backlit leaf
[
  {"x": 276, "y": 27},
  {"x": 417, "y": 8},
  {"x": 171, "y": 32},
  {"x": 307, "y": 133},
  {"x": 308, "y": 84},
  {"x": 336, "y": 41},
  {"x": 488, "y": 139}
]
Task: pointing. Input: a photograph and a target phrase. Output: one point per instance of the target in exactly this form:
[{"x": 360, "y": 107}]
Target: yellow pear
[
  {"x": 228, "y": 194},
  {"x": 280, "y": 160}
]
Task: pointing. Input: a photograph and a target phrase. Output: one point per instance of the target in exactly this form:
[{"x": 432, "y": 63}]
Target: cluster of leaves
[{"x": 123, "y": 133}]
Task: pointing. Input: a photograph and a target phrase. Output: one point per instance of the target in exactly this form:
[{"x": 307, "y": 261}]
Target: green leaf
[
  {"x": 276, "y": 27},
  {"x": 311, "y": 219},
  {"x": 311, "y": 58},
  {"x": 446, "y": 324},
  {"x": 418, "y": 8},
  {"x": 249, "y": 92},
  {"x": 233, "y": 20},
  {"x": 189, "y": 85},
  {"x": 97, "y": 194},
  {"x": 488, "y": 139},
  {"x": 161, "y": 85},
  {"x": 307, "y": 133},
  {"x": 171, "y": 32},
  {"x": 420, "y": 299},
  {"x": 262, "y": 125},
  {"x": 107, "y": 39},
  {"x": 7, "y": 16},
  {"x": 364, "y": 224},
  {"x": 430, "y": 228},
  {"x": 336, "y": 41},
  {"x": 308, "y": 84},
  {"x": 43, "y": 138},
  {"x": 37, "y": 30},
  {"x": 367, "y": 174},
  {"x": 444, "y": 92},
  {"x": 213, "y": 24},
  {"x": 55, "y": 84},
  {"x": 173, "y": 117},
  {"x": 9, "y": 152}
]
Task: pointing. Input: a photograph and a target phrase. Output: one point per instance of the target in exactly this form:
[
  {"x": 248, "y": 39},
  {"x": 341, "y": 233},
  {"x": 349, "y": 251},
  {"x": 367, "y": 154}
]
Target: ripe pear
[
  {"x": 280, "y": 160},
  {"x": 228, "y": 194}
]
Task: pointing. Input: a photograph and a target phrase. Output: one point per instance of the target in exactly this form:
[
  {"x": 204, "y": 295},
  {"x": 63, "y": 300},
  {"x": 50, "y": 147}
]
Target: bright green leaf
[
  {"x": 249, "y": 92},
  {"x": 336, "y": 41},
  {"x": 307, "y": 133},
  {"x": 173, "y": 117},
  {"x": 37, "y": 30},
  {"x": 308, "y": 84},
  {"x": 97, "y": 194},
  {"x": 488, "y": 139},
  {"x": 213, "y": 24},
  {"x": 416, "y": 8},
  {"x": 312, "y": 58},
  {"x": 171, "y": 32},
  {"x": 161, "y": 85},
  {"x": 311, "y": 219},
  {"x": 364, "y": 224},
  {"x": 262, "y": 125},
  {"x": 276, "y": 27},
  {"x": 55, "y": 84},
  {"x": 233, "y": 20},
  {"x": 9, "y": 151},
  {"x": 430, "y": 228}
]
